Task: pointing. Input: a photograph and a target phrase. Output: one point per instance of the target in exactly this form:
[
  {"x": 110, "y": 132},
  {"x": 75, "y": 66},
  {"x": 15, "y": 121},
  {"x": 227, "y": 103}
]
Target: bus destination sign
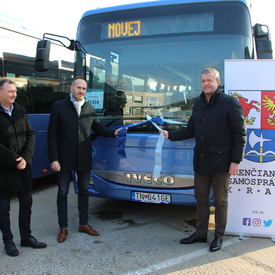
[
  {"x": 158, "y": 25},
  {"x": 124, "y": 29}
]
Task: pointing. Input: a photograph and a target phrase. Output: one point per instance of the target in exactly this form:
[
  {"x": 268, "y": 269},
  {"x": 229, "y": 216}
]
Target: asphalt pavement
[{"x": 136, "y": 238}]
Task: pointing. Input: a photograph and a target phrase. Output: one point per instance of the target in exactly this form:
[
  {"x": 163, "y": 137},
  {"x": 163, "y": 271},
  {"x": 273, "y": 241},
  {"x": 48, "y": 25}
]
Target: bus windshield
[{"x": 149, "y": 63}]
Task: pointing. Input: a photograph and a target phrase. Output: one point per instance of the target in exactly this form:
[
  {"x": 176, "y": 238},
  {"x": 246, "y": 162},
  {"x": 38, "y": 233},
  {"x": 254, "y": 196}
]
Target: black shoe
[
  {"x": 194, "y": 238},
  {"x": 11, "y": 249},
  {"x": 32, "y": 242},
  {"x": 216, "y": 244}
]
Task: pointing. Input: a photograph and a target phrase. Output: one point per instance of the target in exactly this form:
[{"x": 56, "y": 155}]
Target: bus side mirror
[
  {"x": 42, "y": 55},
  {"x": 263, "y": 42}
]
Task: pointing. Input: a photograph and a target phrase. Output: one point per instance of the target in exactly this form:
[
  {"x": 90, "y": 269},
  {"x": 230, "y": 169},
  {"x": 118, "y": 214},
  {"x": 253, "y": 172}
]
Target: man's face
[
  {"x": 209, "y": 84},
  {"x": 78, "y": 89},
  {"x": 8, "y": 95}
]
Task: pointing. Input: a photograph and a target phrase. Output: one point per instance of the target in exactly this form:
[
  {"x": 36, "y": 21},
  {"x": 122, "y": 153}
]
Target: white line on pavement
[{"x": 179, "y": 260}]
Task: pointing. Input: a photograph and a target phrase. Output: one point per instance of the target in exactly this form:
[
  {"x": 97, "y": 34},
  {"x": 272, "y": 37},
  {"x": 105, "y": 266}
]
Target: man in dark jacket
[
  {"x": 217, "y": 123},
  {"x": 69, "y": 144},
  {"x": 16, "y": 152}
]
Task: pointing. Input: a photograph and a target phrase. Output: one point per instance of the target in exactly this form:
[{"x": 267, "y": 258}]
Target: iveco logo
[{"x": 149, "y": 179}]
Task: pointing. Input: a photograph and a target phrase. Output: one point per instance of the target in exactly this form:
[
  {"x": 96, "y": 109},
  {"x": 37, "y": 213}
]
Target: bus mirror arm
[
  {"x": 43, "y": 49},
  {"x": 80, "y": 48},
  {"x": 74, "y": 45}
]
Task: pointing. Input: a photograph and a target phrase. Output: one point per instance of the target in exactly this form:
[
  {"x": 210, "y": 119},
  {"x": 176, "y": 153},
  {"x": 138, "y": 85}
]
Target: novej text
[{"x": 121, "y": 29}]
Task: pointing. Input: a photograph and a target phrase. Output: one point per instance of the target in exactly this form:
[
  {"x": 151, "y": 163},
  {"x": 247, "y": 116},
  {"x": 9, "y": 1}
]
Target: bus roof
[{"x": 150, "y": 4}]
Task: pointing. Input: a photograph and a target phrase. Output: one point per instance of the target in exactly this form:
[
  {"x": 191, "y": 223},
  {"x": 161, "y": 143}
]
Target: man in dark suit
[
  {"x": 16, "y": 152},
  {"x": 218, "y": 125},
  {"x": 69, "y": 143}
]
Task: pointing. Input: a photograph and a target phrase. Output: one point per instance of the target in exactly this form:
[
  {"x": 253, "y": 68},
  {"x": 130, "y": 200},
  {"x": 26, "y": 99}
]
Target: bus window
[{"x": 36, "y": 91}]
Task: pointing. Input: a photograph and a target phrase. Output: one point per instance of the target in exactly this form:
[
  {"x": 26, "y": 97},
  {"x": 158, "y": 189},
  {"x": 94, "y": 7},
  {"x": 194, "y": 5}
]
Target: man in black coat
[
  {"x": 217, "y": 123},
  {"x": 16, "y": 152},
  {"x": 69, "y": 143}
]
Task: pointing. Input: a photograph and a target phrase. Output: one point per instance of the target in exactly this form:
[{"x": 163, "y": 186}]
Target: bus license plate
[{"x": 151, "y": 197}]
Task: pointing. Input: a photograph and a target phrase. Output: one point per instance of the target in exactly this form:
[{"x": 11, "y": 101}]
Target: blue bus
[
  {"x": 35, "y": 90},
  {"x": 143, "y": 63}
]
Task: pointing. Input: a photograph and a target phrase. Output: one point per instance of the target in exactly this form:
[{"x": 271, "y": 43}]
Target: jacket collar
[
  {"x": 68, "y": 99},
  {"x": 14, "y": 108},
  {"x": 213, "y": 97}
]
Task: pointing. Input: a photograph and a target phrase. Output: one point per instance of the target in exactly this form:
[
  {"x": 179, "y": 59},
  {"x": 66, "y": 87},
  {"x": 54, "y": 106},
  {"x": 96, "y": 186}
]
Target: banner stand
[{"x": 251, "y": 193}]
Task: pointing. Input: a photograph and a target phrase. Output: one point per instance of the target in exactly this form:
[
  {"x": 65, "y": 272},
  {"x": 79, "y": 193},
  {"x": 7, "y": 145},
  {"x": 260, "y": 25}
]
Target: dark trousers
[
  {"x": 219, "y": 183},
  {"x": 25, "y": 204},
  {"x": 63, "y": 182}
]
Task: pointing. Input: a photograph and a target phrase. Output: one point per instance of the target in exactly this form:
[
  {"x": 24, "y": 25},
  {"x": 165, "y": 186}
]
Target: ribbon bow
[
  {"x": 158, "y": 151},
  {"x": 122, "y": 132}
]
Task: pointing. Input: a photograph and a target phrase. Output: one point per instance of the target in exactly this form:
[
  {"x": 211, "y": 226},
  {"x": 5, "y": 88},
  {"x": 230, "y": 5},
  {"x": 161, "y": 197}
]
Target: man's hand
[
  {"x": 234, "y": 168},
  {"x": 117, "y": 130},
  {"x": 165, "y": 134},
  {"x": 22, "y": 163},
  {"x": 56, "y": 166}
]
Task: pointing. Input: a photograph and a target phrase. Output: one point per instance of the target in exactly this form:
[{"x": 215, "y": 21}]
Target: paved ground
[{"x": 135, "y": 238}]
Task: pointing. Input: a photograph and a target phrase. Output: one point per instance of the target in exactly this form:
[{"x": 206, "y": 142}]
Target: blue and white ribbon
[
  {"x": 158, "y": 157},
  {"x": 158, "y": 151},
  {"x": 122, "y": 133}
]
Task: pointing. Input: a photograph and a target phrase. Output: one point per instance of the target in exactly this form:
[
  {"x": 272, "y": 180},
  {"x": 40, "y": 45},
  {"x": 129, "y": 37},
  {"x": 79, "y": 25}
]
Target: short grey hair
[
  {"x": 212, "y": 71},
  {"x": 4, "y": 81}
]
